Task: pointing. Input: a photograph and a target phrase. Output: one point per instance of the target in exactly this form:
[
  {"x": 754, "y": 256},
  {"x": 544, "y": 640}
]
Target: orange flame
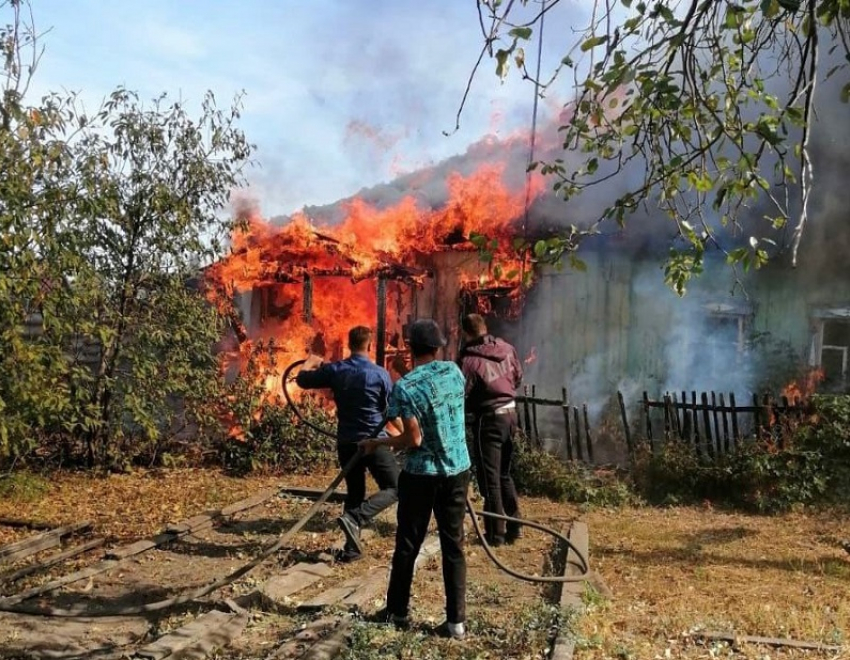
[
  {"x": 802, "y": 388},
  {"x": 341, "y": 262}
]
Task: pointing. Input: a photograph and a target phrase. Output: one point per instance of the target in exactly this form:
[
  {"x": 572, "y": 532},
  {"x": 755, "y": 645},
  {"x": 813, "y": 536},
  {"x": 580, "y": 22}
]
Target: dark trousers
[
  {"x": 383, "y": 467},
  {"x": 493, "y": 450},
  {"x": 418, "y": 496}
]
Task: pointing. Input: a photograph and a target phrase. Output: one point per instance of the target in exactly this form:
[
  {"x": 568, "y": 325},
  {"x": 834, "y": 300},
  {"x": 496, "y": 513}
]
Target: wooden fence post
[
  {"x": 579, "y": 449},
  {"x": 565, "y": 407},
  {"x": 648, "y": 422},
  {"x": 725, "y": 424},
  {"x": 706, "y": 421},
  {"x": 587, "y": 435},
  {"x": 695, "y": 423},
  {"x": 534, "y": 416},
  {"x": 626, "y": 429},
  {"x": 717, "y": 437},
  {"x": 736, "y": 431}
]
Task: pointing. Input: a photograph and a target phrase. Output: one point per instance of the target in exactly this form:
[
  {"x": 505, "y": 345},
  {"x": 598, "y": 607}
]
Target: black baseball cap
[{"x": 426, "y": 332}]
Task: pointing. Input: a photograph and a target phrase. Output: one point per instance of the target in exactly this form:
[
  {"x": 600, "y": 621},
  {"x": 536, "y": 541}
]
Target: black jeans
[
  {"x": 383, "y": 467},
  {"x": 493, "y": 450},
  {"x": 418, "y": 496}
]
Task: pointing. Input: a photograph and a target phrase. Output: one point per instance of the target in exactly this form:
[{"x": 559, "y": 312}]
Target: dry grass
[
  {"x": 676, "y": 571},
  {"x": 671, "y": 571}
]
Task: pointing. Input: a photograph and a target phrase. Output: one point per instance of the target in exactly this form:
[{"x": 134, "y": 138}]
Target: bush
[
  {"x": 811, "y": 466},
  {"x": 540, "y": 474},
  {"x": 278, "y": 441}
]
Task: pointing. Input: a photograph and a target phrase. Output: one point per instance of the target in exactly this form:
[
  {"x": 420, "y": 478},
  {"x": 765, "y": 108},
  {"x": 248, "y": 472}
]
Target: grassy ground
[{"x": 672, "y": 572}]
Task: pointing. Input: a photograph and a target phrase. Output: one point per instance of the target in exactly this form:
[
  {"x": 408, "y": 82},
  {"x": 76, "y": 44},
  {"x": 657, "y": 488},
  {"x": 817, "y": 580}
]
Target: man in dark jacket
[
  {"x": 361, "y": 391},
  {"x": 493, "y": 372}
]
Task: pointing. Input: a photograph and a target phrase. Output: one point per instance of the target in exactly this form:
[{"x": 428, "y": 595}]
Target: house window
[
  {"x": 724, "y": 331},
  {"x": 832, "y": 348}
]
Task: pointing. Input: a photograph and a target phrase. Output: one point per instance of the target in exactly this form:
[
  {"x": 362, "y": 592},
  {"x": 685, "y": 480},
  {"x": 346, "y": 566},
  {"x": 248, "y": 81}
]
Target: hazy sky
[{"x": 340, "y": 94}]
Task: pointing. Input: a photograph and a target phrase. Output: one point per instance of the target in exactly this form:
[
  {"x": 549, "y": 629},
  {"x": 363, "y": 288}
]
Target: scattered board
[
  {"x": 571, "y": 592},
  {"x": 197, "y": 638},
  {"x": 38, "y": 542}
]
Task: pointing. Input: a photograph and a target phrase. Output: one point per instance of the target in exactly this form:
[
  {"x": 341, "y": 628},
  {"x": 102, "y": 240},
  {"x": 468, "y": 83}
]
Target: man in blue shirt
[
  {"x": 430, "y": 402},
  {"x": 361, "y": 390}
]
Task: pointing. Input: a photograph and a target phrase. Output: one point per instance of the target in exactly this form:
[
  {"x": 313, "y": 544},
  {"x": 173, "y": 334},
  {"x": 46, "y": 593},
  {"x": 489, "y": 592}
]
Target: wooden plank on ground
[
  {"x": 56, "y": 637},
  {"x": 359, "y": 590},
  {"x": 372, "y": 586},
  {"x": 330, "y": 646},
  {"x": 197, "y": 638},
  {"x": 52, "y": 560},
  {"x": 312, "y": 493},
  {"x": 137, "y": 548},
  {"x": 194, "y": 524},
  {"x": 100, "y": 567},
  {"x": 297, "y": 645},
  {"x": 38, "y": 542},
  {"x": 777, "y": 642},
  {"x": 249, "y": 502},
  {"x": 571, "y": 594},
  {"x": 331, "y": 596},
  {"x": 276, "y": 591}
]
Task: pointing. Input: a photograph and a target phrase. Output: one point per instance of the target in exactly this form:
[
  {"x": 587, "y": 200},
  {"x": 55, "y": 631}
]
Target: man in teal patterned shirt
[{"x": 430, "y": 402}]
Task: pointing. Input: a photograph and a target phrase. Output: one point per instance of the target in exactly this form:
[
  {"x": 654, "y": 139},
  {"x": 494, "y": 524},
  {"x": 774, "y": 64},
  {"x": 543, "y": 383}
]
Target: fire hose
[
  {"x": 14, "y": 605},
  {"x": 580, "y": 561}
]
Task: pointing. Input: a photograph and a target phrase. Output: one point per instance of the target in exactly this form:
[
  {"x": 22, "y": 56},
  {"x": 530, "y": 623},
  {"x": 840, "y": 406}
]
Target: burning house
[
  {"x": 301, "y": 285},
  {"x": 403, "y": 250}
]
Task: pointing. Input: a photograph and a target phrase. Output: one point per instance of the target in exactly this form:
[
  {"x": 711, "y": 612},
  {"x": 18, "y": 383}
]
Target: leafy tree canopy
[
  {"x": 703, "y": 107},
  {"x": 104, "y": 219}
]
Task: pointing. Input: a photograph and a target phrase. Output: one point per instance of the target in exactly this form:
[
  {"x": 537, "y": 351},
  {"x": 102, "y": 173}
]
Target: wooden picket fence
[
  {"x": 713, "y": 423},
  {"x": 578, "y": 439}
]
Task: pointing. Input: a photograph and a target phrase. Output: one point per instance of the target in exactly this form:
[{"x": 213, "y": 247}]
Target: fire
[
  {"x": 298, "y": 288},
  {"x": 802, "y": 388}
]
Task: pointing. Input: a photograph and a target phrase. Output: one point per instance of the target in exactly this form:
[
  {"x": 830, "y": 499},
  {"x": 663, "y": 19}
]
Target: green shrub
[
  {"x": 810, "y": 466},
  {"x": 280, "y": 442},
  {"x": 540, "y": 474}
]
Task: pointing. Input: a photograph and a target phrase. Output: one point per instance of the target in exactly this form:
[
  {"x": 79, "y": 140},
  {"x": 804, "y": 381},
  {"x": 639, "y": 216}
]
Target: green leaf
[
  {"x": 593, "y": 42},
  {"x": 502, "y": 63},
  {"x": 521, "y": 33}
]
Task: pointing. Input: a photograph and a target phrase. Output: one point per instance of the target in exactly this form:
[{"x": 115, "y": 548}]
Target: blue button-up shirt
[{"x": 361, "y": 389}]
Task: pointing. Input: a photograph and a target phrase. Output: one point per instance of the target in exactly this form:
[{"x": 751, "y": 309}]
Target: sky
[{"x": 339, "y": 94}]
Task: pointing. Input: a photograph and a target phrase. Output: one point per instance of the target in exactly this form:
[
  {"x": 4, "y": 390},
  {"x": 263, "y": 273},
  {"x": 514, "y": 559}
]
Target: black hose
[{"x": 580, "y": 562}]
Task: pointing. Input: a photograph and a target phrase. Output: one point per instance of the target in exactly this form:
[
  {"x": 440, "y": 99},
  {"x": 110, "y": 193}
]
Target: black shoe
[
  {"x": 495, "y": 541},
  {"x": 348, "y": 555},
  {"x": 451, "y": 630},
  {"x": 513, "y": 533},
  {"x": 385, "y": 616},
  {"x": 352, "y": 532}
]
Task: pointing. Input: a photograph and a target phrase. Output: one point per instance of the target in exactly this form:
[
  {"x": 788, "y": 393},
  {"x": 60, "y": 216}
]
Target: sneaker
[
  {"x": 385, "y": 616},
  {"x": 352, "y": 532},
  {"x": 451, "y": 630},
  {"x": 348, "y": 555}
]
